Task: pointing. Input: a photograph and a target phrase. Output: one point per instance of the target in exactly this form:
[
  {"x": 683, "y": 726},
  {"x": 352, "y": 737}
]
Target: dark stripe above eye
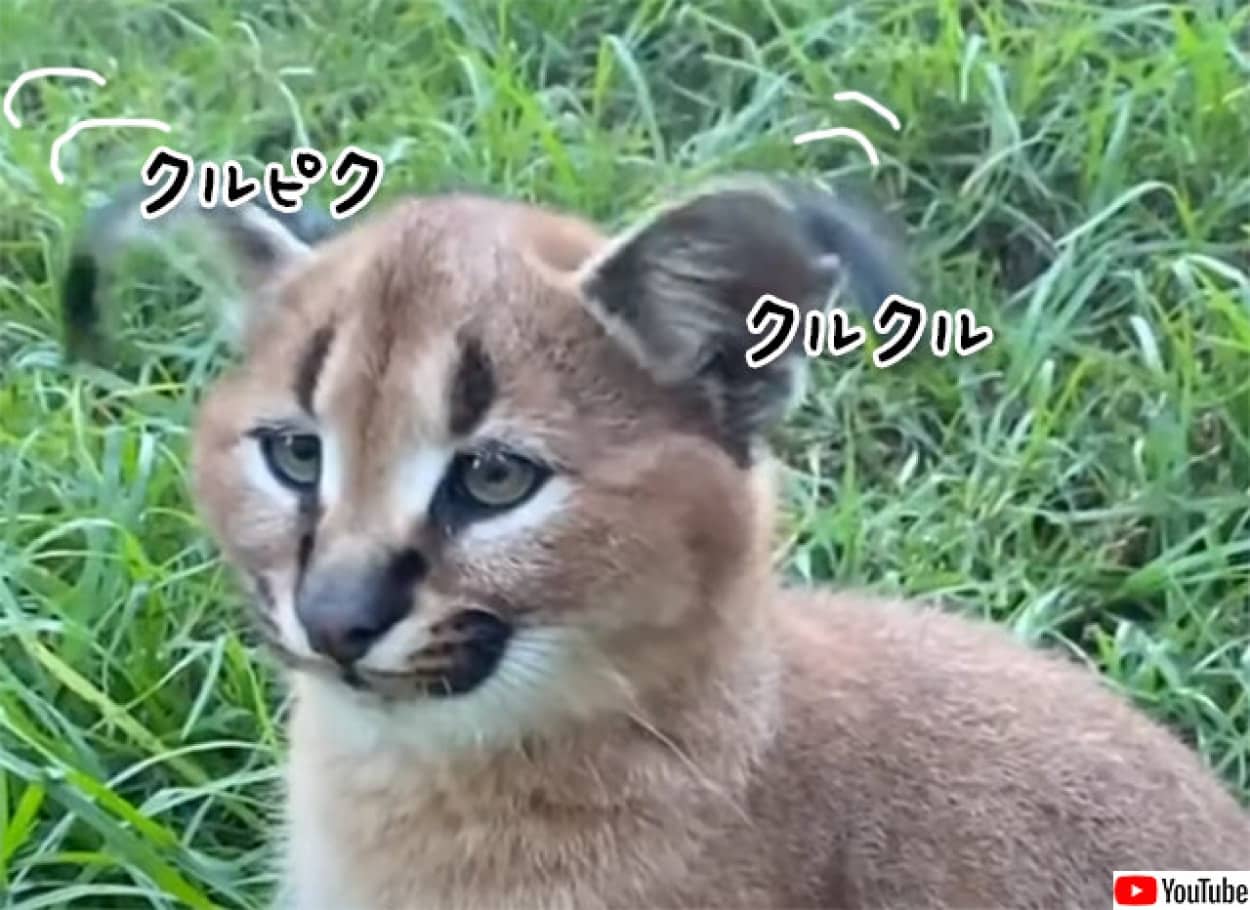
[
  {"x": 472, "y": 388},
  {"x": 310, "y": 363}
]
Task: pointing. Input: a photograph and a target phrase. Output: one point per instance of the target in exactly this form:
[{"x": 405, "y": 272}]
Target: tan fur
[{"x": 678, "y": 730}]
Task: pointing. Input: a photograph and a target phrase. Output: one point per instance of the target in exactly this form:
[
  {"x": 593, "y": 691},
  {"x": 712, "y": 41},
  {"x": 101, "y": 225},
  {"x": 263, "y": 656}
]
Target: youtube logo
[
  {"x": 1136, "y": 891},
  {"x": 1193, "y": 890}
]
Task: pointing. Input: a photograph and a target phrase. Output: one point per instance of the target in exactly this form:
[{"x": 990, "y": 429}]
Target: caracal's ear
[
  {"x": 255, "y": 246},
  {"x": 676, "y": 289}
]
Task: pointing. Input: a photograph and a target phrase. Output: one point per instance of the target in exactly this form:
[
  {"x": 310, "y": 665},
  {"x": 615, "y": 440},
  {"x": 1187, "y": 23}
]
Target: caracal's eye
[
  {"x": 495, "y": 479},
  {"x": 294, "y": 458}
]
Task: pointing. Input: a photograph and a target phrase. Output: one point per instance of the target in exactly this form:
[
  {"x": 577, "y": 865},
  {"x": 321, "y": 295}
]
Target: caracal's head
[{"x": 484, "y": 469}]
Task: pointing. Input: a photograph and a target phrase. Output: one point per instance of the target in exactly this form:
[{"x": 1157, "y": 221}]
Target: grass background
[{"x": 1077, "y": 173}]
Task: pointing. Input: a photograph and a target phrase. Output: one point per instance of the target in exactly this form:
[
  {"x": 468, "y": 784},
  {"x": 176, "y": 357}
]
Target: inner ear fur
[{"x": 675, "y": 290}]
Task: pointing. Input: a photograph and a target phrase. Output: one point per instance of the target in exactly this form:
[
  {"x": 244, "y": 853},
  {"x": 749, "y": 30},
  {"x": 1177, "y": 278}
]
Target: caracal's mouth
[{"x": 463, "y": 652}]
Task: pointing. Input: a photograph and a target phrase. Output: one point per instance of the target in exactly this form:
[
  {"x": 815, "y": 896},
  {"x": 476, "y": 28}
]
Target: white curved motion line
[
  {"x": 54, "y": 162},
  {"x": 75, "y": 72},
  {"x": 876, "y": 106},
  {"x": 834, "y": 132}
]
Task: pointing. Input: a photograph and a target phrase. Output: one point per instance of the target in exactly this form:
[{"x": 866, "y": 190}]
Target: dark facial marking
[
  {"x": 310, "y": 364},
  {"x": 406, "y": 568},
  {"x": 309, "y": 517},
  {"x": 306, "y": 376},
  {"x": 482, "y": 640},
  {"x": 306, "y": 541},
  {"x": 472, "y": 388},
  {"x": 350, "y": 677}
]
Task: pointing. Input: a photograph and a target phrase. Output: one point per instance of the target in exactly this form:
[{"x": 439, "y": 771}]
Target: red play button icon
[{"x": 1136, "y": 890}]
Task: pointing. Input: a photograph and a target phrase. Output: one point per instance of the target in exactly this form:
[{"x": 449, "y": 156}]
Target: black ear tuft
[
  {"x": 866, "y": 249},
  {"x": 676, "y": 290},
  {"x": 80, "y": 308}
]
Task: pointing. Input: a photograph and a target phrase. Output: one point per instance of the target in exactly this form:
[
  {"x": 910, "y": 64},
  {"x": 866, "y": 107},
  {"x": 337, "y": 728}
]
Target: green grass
[{"x": 1076, "y": 173}]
